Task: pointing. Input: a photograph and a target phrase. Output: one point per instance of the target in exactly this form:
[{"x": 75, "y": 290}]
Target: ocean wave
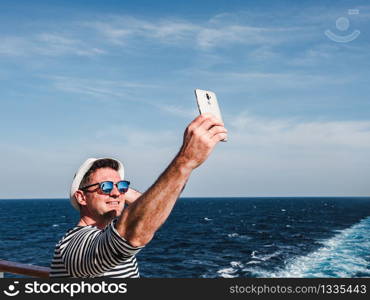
[
  {"x": 200, "y": 262},
  {"x": 343, "y": 255},
  {"x": 236, "y": 267},
  {"x": 264, "y": 257},
  {"x": 253, "y": 262},
  {"x": 232, "y": 271},
  {"x": 239, "y": 236},
  {"x": 227, "y": 273}
]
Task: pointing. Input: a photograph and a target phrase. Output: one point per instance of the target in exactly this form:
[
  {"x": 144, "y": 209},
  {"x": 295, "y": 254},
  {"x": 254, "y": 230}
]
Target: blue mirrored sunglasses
[{"x": 107, "y": 186}]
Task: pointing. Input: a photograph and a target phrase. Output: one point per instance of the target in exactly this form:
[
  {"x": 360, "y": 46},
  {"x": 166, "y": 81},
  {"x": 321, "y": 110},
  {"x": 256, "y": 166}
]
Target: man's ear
[{"x": 80, "y": 197}]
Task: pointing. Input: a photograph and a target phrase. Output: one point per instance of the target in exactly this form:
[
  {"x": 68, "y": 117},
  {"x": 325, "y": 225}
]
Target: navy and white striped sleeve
[{"x": 92, "y": 252}]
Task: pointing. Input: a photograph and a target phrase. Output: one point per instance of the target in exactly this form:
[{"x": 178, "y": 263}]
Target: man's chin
[{"x": 111, "y": 214}]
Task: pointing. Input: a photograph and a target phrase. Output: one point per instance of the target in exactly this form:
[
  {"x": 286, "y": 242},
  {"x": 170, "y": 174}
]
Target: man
[{"x": 107, "y": 237}]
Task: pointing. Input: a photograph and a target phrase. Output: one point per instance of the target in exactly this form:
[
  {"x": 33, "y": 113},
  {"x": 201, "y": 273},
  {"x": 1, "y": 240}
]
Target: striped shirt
[{"x": 87, "y": 252}]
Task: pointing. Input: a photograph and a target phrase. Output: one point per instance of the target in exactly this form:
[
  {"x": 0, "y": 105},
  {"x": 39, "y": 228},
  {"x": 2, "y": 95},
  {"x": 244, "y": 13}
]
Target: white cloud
[
  {"x": 180, "y": 111},
  {"x": 240, "y": 81},
  {"x": 288, "y": 157},
  {"x": 101, "y": 89},
  {"x": 107, "y": 90},
  {"x": 46, "y": 44},
  {"x": 263, "y": 157},
  {"x": 241, "y": 34},
  {"x": 55, "y": 45},
  {"x": 119, "y": 30},
  {"x": 318, "y": 135},
  {"x": 225, "y": 30},
  {"x": 13, "y": 46},
  {"x": 216, "y": 32}
]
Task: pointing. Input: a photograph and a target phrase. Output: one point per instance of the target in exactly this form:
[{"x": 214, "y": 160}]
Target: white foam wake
[{"x": 347, "y": 254}]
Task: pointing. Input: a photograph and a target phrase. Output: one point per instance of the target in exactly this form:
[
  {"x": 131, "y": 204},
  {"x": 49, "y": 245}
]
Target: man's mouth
[{"x": 113, "y": 203}]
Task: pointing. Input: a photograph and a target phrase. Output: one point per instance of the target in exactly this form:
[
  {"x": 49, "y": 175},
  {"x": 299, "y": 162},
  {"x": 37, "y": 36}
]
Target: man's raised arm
[{"x": 141, "y": 219}]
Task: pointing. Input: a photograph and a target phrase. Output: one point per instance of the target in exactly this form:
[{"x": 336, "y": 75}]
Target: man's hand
[
  {"x": 131, "y": 196},
  {"x": 200, "y": 138}
]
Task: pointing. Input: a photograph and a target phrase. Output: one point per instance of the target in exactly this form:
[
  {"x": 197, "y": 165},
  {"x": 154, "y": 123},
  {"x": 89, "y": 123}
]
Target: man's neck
[{"x": 86, "y": 221}]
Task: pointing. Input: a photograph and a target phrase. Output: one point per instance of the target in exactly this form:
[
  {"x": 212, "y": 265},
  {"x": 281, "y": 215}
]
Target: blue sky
[{"x": 109, "y": 78}]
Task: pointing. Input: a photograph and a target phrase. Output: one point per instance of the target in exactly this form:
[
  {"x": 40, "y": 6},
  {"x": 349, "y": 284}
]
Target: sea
[{"x": 217, "y": 237}]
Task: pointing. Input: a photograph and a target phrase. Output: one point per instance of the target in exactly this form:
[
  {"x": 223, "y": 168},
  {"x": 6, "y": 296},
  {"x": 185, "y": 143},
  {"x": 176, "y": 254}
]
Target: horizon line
[{"x": 210, "y": 197}]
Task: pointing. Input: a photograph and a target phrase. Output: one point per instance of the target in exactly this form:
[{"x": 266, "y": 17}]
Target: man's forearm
[{"x": 141, "y": 219}]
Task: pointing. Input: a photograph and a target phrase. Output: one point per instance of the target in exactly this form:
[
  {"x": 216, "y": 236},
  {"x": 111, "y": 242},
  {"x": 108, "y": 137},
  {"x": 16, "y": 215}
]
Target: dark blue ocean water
[{"x": 218, "y": 237}]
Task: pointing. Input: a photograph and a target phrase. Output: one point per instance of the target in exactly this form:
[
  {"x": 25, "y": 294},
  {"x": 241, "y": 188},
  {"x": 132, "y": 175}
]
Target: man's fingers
[
  {"x": 205, "y": 121},
  {"x": 199, "y": 120},
  {"x": 209, "y": 123},
  {"x": 219, "y": 137},
  {"x": 215, "y": 130}
]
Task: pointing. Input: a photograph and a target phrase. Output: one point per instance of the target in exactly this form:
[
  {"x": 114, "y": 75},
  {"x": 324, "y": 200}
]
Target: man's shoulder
[{"x": 78, "y": 230}]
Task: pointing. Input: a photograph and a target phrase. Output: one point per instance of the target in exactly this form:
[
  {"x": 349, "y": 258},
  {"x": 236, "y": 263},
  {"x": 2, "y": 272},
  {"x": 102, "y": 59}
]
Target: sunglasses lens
[
  {"x": 106, "y": 187},
  {"x": 123, "y": 186}
]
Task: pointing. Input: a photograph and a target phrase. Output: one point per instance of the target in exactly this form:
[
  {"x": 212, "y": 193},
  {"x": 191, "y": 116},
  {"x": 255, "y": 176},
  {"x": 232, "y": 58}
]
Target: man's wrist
[{"x": 184, "y": 166}]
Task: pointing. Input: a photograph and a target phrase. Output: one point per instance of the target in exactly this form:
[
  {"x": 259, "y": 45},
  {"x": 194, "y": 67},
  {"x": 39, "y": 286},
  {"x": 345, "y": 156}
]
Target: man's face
[{"x": 98, "y": 203}]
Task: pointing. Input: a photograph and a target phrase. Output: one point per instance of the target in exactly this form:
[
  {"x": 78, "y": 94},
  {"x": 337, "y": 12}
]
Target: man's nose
[{"x": 115, "y": 192}]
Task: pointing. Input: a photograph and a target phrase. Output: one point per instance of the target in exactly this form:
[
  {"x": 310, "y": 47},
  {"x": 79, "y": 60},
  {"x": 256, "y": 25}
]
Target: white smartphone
[{"x": 207, "y": 103}]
